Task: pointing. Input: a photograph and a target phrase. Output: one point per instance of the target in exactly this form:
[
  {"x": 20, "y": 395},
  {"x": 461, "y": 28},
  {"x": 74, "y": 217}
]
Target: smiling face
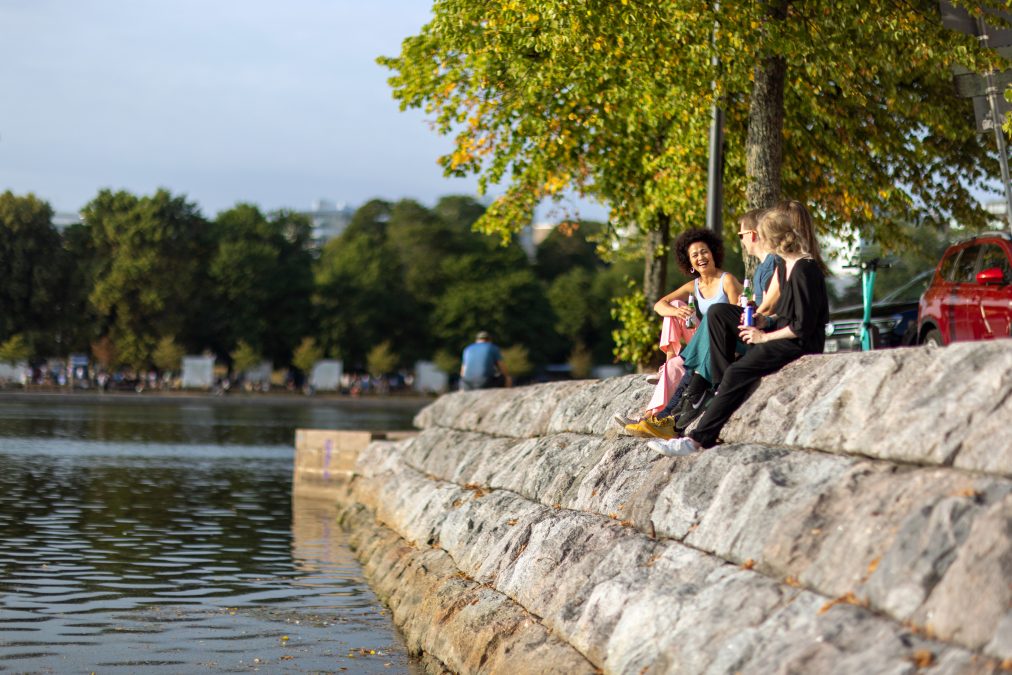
[{"x": 700, "y": 257}]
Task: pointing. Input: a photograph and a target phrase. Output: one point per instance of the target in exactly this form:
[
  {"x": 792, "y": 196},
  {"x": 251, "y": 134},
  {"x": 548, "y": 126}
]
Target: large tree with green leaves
[
  {"x": 361, "y": 297},
  {"x": 262, "y": 279},
  {"x": 845, "y": 105},
  {"x": 150, "y": 254},
  {"x": 34, "y": 274}
]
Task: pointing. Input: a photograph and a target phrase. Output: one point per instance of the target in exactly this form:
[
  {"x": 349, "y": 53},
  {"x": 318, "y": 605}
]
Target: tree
[
  {"x": 844, "y": 105},
  {"x": 168, "y": 356},
  {"x": 105, "y": 352},
  {"x": 581, "y": 362},
  {"x": 381, "y": 359},
  {"x": 517, "y": 360},
  {"x": 361, "y": 298},
  {"x": 512, "y": 306},
  {"x": 244, "y": 357},
  {"x": 34, "y": 269},
  {"x": 150, "y": 253},
  {"x": 78, "y": 322},
  {"x": 261, "y": 273},
  {"x": 306, "y": 355},
  {"x": 14, "y": 350},
  {"x": 569, "y": 246},
  {"x": 447, "y": 361}
]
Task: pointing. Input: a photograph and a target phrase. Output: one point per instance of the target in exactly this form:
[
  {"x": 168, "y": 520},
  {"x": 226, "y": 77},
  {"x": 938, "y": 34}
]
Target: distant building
[
  {"x": 62, "y": 221},
  {"x": 329, "y": 220},
  {"x": 996, "y": 209},
  {"x": 531, "y": 237}
]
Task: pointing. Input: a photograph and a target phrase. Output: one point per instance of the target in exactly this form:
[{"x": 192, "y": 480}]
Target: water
[{"x": 160, "y": 536}]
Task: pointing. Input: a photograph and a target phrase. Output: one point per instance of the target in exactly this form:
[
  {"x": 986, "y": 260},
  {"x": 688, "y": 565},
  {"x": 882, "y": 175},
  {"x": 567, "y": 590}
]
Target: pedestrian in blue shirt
[{"x": 481, "y": 366}]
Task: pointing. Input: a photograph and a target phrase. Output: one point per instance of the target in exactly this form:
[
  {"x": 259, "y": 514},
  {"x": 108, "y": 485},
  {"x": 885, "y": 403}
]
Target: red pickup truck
[{"x": 970, "y": 295}]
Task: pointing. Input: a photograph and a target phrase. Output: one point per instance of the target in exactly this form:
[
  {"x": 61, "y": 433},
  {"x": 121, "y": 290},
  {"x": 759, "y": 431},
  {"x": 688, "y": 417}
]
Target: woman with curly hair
[{"x": 700, "y": 254}]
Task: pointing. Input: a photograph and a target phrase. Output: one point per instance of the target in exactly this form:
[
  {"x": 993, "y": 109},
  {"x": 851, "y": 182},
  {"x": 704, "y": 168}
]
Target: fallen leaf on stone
[
  {"x": 872, "y": 566},
  {"x": 556, "y": 506},
  {"x": 847, "y": 598},
  {"x": 748, "y": 564},
  {"x": 613, "y": 516},
  {"x": 511, "y": 522},
  {"x": 792, "y": 581},
  {"x": 923, "y": 658},
  {"x": 626, "y": 523},
  {"x": 457, "y": 503}
]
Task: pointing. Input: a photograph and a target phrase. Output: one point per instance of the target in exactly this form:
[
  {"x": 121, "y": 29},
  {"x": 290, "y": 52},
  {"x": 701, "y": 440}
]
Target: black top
[{"x": 804, "y": 303}]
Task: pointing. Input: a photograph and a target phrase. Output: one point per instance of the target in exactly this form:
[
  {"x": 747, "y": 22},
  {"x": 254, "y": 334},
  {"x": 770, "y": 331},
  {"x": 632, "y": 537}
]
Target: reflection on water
[
  {"x": 125, "y": 555},
  {"x": 225, "y": 421}
]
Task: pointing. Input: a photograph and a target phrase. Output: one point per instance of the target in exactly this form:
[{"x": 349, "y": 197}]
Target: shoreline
[{"x": 232, "y": 398}]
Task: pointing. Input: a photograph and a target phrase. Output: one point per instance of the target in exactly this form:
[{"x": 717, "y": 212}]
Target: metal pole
[
  {"x": 999, "y": 136},
  {"x": 715, "y": 182},
  {"x": 715, "y": 175}
]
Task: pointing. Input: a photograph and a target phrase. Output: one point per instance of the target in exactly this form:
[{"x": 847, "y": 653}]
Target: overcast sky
[{"x": 275, "y": 103}]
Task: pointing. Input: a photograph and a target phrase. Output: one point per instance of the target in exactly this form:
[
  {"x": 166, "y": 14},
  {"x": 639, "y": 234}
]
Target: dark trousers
[
  {"x": 723, "y": 320},
  {"x": 737, "y": 378}
]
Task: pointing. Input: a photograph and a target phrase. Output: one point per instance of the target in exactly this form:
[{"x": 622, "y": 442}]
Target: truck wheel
[{"x": 933, "y": 338}]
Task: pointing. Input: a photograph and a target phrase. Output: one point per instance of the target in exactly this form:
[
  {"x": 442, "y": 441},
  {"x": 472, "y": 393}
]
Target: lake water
[{"x": 144, "y": 535}]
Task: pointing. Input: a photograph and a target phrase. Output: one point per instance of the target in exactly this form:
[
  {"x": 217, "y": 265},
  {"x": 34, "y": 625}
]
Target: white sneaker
[
  {"x": 653, "y": 378},
  {"x": 675, "y": 447}
]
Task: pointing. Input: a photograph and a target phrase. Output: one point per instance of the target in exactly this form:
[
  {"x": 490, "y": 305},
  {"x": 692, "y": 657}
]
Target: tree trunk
[
  {"x": 764, "y": 144},
  {"x": 655, "y": 267},
  {"x": 655, "y": 276}
]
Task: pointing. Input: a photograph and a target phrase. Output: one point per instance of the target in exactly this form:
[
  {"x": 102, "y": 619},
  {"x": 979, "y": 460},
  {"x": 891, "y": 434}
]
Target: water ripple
[{"x": 186, "y": 555}]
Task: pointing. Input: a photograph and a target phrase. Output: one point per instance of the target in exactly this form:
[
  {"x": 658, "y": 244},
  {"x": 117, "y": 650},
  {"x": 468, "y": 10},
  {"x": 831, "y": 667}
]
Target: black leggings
[{"x": 739, "y": 377}]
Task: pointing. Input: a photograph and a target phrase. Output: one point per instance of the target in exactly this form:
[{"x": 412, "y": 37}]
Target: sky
[{"x": 275, "y": 103}]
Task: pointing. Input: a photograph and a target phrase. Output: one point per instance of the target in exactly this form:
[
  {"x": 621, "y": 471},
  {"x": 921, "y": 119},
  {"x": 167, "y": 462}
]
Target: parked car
[
  {"x": 893, "y": 319},
  {"x": 970, "y": 296}
]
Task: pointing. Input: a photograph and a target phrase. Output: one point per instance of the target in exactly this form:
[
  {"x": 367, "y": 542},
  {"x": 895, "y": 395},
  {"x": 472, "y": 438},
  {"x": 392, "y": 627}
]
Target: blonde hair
[{"x": 787, "y": 228}]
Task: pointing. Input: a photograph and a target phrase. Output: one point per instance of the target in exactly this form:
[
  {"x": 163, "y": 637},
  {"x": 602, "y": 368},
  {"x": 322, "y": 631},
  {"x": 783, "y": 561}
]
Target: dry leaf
[
  {"x": 923, "y": 658},
  {"x": 847, "y": 598},
  {"x": 748, "y": 564}
]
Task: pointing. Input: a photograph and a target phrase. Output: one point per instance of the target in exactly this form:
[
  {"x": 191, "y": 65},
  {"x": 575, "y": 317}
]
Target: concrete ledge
[{"x": 325, "y": 457}]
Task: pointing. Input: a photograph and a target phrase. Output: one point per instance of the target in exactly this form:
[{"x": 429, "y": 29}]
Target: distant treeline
[{"x": 143, "y": 275}]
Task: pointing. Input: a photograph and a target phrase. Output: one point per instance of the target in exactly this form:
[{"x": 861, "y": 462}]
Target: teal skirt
[{"x": 697, "y": 353}]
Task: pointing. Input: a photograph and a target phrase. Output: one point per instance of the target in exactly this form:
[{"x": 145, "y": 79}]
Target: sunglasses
[{"x": 741, "y": 235}]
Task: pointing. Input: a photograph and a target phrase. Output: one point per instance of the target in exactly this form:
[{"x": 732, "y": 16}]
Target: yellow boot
[{"x": 652, "y": 427}]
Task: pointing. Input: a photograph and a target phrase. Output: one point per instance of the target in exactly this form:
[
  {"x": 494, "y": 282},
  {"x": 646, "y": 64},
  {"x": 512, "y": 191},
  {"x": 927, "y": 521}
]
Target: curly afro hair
[{"x": 689, "y": 237}]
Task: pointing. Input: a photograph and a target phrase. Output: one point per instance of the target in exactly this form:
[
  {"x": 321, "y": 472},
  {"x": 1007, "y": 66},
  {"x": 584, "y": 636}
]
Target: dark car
[
  {"x": 970, "y": 295},
  {"x": 893, "y": 319}
]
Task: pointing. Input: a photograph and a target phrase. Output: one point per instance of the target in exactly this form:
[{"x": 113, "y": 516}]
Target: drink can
[{"x": 749, "y": 315}]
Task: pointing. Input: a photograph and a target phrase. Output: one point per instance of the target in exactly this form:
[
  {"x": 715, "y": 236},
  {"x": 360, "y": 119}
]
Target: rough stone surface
[
  {"x": 945, "y": 406},
  {"x": 805, "y": 543},
  {"x": 458, "y": 624}
]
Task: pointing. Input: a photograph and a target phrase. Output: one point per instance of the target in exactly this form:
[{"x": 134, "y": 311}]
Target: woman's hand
[
  {"x": 682, "y": 311},
  {"x": 751, "y": 335}
]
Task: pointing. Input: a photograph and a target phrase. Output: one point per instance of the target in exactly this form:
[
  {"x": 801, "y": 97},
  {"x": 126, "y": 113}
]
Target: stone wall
[{"x": 856, "y": 519}]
